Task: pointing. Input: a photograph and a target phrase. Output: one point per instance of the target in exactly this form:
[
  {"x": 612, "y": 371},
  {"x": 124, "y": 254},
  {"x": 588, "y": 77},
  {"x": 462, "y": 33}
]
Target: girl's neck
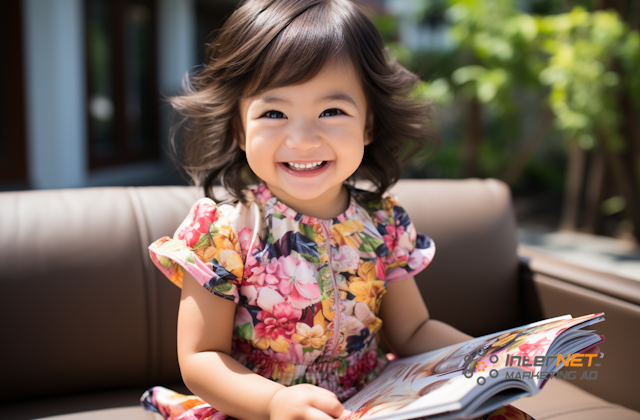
[{"x": 327, "y": 206}]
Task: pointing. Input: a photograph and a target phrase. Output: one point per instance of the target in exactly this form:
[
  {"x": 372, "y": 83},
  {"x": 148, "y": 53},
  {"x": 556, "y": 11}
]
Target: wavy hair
[{"x": 250, "y": 53}]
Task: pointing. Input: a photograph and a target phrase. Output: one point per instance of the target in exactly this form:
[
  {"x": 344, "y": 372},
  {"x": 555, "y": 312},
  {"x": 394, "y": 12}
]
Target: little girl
[{"x": 281, "y": 310}]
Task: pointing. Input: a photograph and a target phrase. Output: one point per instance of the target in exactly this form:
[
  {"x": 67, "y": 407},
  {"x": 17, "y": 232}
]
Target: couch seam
[
  {"x": 151, "y": 292},
  {"x": 579, "y": 410}
]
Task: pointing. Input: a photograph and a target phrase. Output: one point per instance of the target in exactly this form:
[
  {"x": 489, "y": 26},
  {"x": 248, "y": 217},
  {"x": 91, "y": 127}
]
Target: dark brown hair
[{"x": 267, "y": 44}]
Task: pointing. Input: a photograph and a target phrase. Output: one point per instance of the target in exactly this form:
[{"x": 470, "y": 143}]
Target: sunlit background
[{"x": 543, "y": 94}]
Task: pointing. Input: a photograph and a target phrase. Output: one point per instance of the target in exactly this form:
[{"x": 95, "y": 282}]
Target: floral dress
[{"x": 307, "y": 290}]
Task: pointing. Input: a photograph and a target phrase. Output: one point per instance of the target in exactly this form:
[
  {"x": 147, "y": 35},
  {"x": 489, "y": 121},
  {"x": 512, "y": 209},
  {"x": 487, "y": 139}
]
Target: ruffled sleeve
[
  {"x": 207, "y": 247},
  {"x": 409, "y": 252}
]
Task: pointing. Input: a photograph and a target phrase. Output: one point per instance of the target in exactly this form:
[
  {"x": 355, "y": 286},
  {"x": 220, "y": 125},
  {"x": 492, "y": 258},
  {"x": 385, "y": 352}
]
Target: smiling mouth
[{"x": 305, "y": 167}]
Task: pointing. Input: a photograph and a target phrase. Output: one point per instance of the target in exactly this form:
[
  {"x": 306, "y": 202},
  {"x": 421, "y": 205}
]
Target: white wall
[
  {"x": 55, "y": 92},
  {"x": 177, "y": 49},
  {"x": 176, "y": 42}
]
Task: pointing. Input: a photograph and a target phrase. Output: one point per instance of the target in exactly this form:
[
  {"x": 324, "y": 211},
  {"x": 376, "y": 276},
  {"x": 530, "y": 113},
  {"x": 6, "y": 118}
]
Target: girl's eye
[
  {"x": 326, "y": 113},
  {"x": 273, "y": 114},
  {"x": 331, "y": 112}
]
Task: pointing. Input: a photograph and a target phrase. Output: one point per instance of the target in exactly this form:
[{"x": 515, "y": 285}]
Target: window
[
  {"x": 13, "y": 157},
  {"x": 122, "y": 87},
  {"x": 209, "y": 17}
]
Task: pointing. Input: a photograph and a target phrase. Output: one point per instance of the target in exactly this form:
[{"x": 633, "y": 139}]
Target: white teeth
[{"x": 305, "y": 167}]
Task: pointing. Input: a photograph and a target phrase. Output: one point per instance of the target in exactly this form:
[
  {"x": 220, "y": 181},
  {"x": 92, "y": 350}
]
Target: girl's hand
[{"x": 304, "y": 402}]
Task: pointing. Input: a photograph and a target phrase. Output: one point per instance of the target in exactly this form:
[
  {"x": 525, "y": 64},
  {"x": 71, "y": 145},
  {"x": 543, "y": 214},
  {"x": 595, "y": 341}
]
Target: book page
[
  {"x": 528, "y": 342},
  {"x": 435, "y": 382}
]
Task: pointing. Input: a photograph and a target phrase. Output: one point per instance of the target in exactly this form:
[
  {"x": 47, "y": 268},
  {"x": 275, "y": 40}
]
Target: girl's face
[{"x": 323, "y": 123}]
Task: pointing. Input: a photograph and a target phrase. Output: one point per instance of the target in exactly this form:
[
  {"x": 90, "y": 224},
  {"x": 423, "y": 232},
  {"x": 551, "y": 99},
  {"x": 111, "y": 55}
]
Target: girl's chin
[
  {"x": 305, "y": 189},
  {"x": 309, "y": 192}
]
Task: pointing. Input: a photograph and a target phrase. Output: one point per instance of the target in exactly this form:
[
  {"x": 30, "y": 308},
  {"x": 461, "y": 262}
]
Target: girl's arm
[
  {"x": 205, "y": 326},
  {"x": 406, "y": 326}
]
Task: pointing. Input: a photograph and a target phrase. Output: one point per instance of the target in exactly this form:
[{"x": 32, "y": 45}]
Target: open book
[{"x": 470, "y": 379}]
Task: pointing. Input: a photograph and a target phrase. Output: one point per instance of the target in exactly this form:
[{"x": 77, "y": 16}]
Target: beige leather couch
[{"x": 88, "y": 323}]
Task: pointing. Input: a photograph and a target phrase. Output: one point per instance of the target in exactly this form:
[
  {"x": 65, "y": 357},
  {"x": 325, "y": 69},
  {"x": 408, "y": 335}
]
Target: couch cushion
[
  {"x": 472, "y": 282},
  {"x": 77, "y": 315},
  {"x": 88, "y": 310},
  {"x": 561, "y": 400},
  {"x": 91, "y": 312},
  {"x": 124, "y": 413},
  {"x": 87, "y": 404}
]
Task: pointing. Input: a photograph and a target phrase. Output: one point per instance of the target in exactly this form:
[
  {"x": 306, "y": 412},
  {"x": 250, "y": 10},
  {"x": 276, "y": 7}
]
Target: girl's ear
[
  {"x": 238, "y": 133},
  {"x": 368, "y": 129}
]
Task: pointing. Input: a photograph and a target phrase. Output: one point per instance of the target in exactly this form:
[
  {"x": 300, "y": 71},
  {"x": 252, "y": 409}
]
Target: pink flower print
[
  {"x": 363, "y": 313},
  {"x": 282, "y": 208},
  {"x": 399, "y": 254},
  {"x": 242, "y": 317},
  {"x": 347, "y": 258},
  {"x": 380, "y": 216},
  {"x": 357, "y": 370},
  {"x": 309, "y": 221},
  {"x": 531, "y": 350},
  {"x": 277, "y": 327},
  {"x": 267, "y": 298},
  {"x": 202, "y": 216},
  {"x": 419, "y": 258},
  {"x": 329, "y": 381},
  {"x": 240, "y": 346},
  {"x": 244, "y": 238},
  {"x": 387, "y": 259},
  {"x": 250, "y": 262},
  {"x": 399, "y": 230},
  {"x": 381, "y": 272},
  {"x": 390, "y": 237},
  {"x": 350, "y": 325},
  {"x": 300, "y": 274},
  {"x": 405, "y": 238},
  {"x": 295, "y": 354},
  {"x": 250, "y": 292},
  {"x": 256, "y": 272},
  {"x": 262, "y": 194}
]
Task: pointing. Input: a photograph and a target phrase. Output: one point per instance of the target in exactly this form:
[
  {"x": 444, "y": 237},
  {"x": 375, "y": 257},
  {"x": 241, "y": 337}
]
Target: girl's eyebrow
[{"x": 340, "y": 96}]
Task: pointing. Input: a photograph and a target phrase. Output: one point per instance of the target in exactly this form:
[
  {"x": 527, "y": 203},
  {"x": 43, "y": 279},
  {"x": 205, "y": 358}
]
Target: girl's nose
[{"x": 303, "y": 139}]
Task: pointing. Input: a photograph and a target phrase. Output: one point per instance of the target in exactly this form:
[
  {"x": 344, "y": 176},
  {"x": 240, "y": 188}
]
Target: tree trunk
[
  {"x": 519, "y": 163},
  {"x": 631, "y": 161},
  {"x": 594, "y": 194},
  {"x": 472, "y": 136},
  {"x": 625, "y": 169},
  {"x": 573, "y": 187}
]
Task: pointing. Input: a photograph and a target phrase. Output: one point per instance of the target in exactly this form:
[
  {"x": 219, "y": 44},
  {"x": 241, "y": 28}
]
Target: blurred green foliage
[
  {"x": 576, "y": 63},
  {"x": 546, "y": 74}
]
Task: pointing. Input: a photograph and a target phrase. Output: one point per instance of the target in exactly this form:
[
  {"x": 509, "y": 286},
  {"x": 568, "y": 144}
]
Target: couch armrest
[
  {"x": 609, "y": 284},
  {"x": 551, "y": 287}
]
